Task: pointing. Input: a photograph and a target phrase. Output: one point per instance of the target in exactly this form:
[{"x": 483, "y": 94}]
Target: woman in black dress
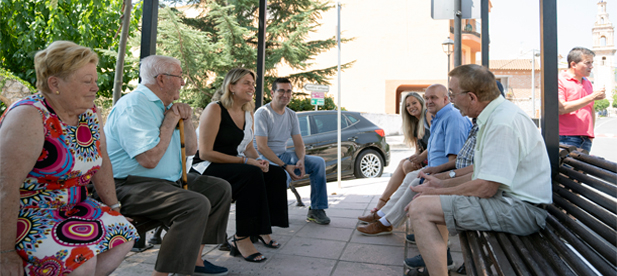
[{"x": 226, "y": 151}]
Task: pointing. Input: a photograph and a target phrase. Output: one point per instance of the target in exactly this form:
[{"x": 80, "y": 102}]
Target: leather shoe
[
  {"x": 375, "y": 229},
  {"x": 370, "y": 218}
]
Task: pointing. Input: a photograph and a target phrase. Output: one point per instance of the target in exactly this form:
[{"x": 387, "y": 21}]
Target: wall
[
  {"x": 390, "y": 123},
  {"x": 393, "y": 40}
]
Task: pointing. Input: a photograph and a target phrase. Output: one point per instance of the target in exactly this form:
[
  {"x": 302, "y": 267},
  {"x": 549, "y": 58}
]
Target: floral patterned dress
[{"x": 59, "y": 227}]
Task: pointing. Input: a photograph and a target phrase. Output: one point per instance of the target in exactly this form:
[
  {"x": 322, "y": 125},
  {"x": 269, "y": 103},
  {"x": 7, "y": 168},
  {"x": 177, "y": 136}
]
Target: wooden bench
[
  {"x": 580, "y": 234},
  {"x": 143, "y": 225}
]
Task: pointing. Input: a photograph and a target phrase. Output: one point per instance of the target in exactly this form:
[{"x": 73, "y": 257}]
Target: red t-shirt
[{"x": 578, "y": 122}]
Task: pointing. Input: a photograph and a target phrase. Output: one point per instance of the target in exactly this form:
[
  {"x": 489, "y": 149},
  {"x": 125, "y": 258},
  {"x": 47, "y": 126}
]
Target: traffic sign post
[{"x": 318, "y": 93}]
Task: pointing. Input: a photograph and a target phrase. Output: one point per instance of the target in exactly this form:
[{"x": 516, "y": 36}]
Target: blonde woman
[
  {"x": 416, "y": 129},
  {"x": 226, "y": 151},
  {"x": 52, "y": 146}
]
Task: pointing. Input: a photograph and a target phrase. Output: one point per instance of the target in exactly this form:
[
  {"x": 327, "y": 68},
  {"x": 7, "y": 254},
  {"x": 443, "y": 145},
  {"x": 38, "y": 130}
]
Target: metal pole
[
  {"x": 485, "y": 34},
  {"x": 457, "y": 33},
  {"x": 533, "y": 83},
  {"x": 338, "y": 127},
  {"x": 447, "y": 76},
  {"x": 126, "y": 21},
  {"x": 549, "y": 121},
  {"x": 261, "y": 54},
  {"x": 148, "y": 30}
]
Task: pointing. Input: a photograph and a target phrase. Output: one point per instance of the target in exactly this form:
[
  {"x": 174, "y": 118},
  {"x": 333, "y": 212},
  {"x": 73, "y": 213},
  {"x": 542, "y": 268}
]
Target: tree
[
  {"x": 615, "y": 98},
  {"x": 29, "y": 26},
  {"x": 600, "y": 105},
  {"x": 230, "y": 29}
]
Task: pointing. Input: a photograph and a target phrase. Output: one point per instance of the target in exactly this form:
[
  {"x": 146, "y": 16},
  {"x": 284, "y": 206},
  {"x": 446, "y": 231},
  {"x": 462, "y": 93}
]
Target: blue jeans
[
  {"x": 582, "y": 142},
  {"x": 315, "y": 166}
]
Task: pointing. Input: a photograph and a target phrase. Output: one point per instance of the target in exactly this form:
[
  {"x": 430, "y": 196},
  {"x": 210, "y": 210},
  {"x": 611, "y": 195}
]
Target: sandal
[
  {"x": 234, "y": 251},
  {"x": 271, "y": 244}
]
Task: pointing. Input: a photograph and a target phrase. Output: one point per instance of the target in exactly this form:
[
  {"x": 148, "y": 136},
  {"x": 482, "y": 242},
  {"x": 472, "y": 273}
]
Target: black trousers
[{"x": 261, "y": 198}]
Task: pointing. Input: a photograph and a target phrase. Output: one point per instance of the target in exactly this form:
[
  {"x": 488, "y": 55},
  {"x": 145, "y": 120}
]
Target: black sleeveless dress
[{"x": 261, "y": 198}]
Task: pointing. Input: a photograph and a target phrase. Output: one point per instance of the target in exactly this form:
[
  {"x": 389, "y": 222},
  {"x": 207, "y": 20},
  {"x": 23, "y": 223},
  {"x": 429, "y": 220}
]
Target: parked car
[{"x": 364, "y": 151}]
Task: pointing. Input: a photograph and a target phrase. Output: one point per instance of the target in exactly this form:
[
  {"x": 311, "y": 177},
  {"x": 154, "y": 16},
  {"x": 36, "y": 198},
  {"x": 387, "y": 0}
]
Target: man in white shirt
[
  {"x": 275, "y": 123},
  {"x": 511, "y": 174}
]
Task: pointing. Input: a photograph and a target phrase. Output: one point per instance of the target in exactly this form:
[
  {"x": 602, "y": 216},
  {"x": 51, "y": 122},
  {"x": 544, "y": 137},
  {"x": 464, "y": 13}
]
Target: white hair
[{"x": 152, "y": 66}]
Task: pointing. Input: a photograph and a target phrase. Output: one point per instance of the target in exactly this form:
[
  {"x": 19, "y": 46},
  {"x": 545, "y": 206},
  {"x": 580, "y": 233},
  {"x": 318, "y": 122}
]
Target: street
[{"x": 605, "y": 143}]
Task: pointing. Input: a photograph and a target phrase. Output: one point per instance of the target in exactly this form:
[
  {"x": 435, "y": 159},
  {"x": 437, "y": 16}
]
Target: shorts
[{"x": 500, "y": 213}]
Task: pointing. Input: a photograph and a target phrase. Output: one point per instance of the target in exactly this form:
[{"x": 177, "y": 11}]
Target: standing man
[
  {"x": 576, "y": 97},
  {"x": 144, "y": 148},
  {"x": 274, "y": 124},
  {"x": 511, "y": 174}
]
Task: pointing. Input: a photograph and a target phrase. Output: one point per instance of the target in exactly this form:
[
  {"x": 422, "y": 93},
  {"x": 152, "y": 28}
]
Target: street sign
[
  {"x": 317, "y": 101},
  {"x": 316, "y": 87},
  {"x": 444, "y": 9},
  {"x": 317, "y": 98}
]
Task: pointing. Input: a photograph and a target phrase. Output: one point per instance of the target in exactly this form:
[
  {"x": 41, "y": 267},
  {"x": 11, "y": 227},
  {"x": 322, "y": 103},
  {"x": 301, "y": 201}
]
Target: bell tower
[{"x": 604, "y": 48}]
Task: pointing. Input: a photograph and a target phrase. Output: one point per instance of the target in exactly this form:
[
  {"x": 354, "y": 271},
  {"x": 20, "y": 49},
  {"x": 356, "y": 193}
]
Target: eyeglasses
[
  {"x": 452, "y": 95},
  {"x": 171, "y": 75},
  {"x": 284, "y": 91}
]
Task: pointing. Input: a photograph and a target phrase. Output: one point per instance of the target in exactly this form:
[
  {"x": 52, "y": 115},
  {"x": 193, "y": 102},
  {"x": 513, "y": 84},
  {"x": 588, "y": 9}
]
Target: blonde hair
[
  {"x": 224, "y": 94},
  {"x": 411, "y": 124},
  {"x": 61, "y": 59}
]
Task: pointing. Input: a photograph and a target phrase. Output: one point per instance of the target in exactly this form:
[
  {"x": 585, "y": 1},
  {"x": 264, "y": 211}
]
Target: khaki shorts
[{"x": 500, "y": 213}]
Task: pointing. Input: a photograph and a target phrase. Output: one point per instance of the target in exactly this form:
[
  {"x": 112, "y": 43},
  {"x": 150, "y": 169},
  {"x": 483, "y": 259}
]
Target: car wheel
[{"x": 369, "y": 164}]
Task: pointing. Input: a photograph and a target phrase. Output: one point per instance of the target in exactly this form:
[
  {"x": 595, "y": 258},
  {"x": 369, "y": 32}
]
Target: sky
[{"x": 514, "y": 26}]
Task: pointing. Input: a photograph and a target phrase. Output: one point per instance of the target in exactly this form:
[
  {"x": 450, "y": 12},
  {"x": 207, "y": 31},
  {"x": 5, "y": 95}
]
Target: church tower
[{"x": 604, "y": 46}]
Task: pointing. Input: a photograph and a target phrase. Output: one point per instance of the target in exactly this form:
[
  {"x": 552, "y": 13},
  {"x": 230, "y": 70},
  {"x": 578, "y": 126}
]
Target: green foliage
[
  {"x": 227, "y": 38},
  {"x": 304, "y": 104},
  {"x": 600, "y": 105},
  {"x": 615, "y": 98},
  {"x": 29, "y": 26}
]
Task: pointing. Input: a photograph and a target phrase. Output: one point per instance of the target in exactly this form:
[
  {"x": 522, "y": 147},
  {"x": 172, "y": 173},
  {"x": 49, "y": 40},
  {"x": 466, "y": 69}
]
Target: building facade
[{"x": 604, "y": 74}]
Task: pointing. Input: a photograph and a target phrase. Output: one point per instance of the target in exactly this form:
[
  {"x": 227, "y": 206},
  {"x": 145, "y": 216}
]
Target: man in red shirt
[{"x": 576, "y": 97}]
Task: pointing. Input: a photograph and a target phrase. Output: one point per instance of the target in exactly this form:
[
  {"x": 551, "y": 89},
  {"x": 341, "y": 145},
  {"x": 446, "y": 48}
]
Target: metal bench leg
[{"x": 298, "y": 199}]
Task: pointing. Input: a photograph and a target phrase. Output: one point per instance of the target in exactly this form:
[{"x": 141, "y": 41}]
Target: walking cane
[{"x": 183, "y": 150}]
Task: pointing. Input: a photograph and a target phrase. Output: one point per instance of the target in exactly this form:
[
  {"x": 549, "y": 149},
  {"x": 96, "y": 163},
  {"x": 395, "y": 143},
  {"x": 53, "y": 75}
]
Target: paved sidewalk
[{"x": 311, "y": 249}]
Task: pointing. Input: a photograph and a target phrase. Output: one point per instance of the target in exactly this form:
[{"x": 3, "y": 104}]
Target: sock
[
  {"x": 380, "y": 214},
  {"x": 384, "y": 221}
]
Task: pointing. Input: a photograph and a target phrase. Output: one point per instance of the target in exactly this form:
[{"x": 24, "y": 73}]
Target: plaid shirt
[{"x": 465, "y": 156}]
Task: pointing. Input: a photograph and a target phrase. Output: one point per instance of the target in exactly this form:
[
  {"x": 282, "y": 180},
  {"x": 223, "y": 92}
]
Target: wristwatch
[
  {"x": 284, "y": 166},
  {"x": 452, "y": 174}
]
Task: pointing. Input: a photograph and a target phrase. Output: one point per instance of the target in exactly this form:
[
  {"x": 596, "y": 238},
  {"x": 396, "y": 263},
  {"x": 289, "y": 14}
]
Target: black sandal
[
  {"x": 234, "y": 251},
  {"x": 270, "y": 244}
]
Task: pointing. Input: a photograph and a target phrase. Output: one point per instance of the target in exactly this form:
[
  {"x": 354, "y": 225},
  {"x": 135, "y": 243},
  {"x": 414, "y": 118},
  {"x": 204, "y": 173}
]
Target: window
[
  {"x": 352, "y": 119},
  {"x": 327, "y": 122},
  {"x": 603, "y": 41},
  {"x": 305, "y": 126}
]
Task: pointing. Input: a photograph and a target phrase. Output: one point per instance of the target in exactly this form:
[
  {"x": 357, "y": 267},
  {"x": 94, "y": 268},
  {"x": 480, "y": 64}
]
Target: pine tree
[{"x": 231, "y": 29}]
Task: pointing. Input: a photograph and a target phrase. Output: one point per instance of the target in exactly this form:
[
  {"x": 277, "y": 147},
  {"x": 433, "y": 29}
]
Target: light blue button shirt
[
  {"x": 132, "y": 128},
  {"x": 449, "y": 131}
]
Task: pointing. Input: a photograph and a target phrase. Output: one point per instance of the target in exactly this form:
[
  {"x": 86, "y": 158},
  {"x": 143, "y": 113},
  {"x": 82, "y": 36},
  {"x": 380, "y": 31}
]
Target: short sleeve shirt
[
  {"x": 278, "y": 128},
  {"x": 578, "y": 122},
  {"x": 132, "y": 128},
  {"x": 511, "y": 151},
  {"x": 449, "y": 132}
]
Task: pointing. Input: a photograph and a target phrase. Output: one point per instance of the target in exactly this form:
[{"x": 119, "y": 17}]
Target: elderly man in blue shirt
[
  {"x": 449, "y": 131},
  {"x": 144, "y": 148}
]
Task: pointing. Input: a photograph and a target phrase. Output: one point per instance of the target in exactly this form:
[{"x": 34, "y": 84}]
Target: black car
[{"x": 364, "y": 151}]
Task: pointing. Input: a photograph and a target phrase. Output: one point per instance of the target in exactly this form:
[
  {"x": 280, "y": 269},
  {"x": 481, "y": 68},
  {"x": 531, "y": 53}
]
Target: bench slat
[
  {"x": 498, "y": 256},
  {"x": 589, "y": 221},
  {"x": 511, "y": 252},
  {"x": 596, "y": 183},
  {"x": 592, "y": 240},
  {"x": 558, "y": 264},
  {"x": 588, "y": 253},
  {"x": 595, "y": 160},
  {"x": 602, "y": 214},
  {"x": 467, "y": 256},
  {"x": 477, "y": 254},
  {"x": 529, "y": 256},
  {"x": 590, "y": 169}
]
